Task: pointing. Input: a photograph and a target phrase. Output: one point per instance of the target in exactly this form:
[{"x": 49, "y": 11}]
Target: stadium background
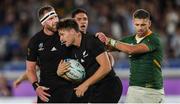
[{"x": 18, "y": 22}]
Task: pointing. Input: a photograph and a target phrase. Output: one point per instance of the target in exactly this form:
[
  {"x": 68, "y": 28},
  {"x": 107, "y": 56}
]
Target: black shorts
[
  {"x": 83, "y": 99},
  {"x": 107, "y": 91},
  {"x": 61, "y": 93}
]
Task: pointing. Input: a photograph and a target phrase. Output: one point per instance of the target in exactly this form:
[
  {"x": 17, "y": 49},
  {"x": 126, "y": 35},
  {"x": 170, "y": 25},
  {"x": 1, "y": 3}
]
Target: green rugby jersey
[{"x": 145, "y": 69}]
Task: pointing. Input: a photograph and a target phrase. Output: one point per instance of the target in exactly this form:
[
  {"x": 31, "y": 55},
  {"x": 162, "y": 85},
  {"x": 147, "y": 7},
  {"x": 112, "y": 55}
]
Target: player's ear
[
  {"x": 43, "y": 24},
  {"x": 149, "y": 22}
]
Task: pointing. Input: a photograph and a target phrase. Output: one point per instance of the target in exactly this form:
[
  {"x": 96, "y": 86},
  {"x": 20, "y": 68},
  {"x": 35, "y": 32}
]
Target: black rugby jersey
[
  {"x": 86, "y": 54},
  {"x": 48, "y": 50}
]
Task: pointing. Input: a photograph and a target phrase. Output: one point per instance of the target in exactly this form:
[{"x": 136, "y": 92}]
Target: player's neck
[
  {"x": 84, "y": 32},
  {"x": 78, "y": 40},
  {"x": 48, "y": 32}
]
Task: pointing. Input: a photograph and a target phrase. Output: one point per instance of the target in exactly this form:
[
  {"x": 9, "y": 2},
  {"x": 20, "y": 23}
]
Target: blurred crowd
[{"x": 18, "y": 22}]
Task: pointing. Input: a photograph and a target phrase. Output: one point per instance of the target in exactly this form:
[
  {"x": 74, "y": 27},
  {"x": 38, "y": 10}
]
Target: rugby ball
[{"x": 76, "y": 70}]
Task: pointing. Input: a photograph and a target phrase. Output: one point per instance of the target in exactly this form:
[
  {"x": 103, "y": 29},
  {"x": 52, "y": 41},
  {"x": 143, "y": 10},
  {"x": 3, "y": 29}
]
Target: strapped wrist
[
  {"x": 112, "y": 42},
  {"x": 35, "y": 85}
]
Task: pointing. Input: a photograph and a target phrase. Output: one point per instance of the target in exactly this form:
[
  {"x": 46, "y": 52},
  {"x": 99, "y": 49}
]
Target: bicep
[{"x": 103, "y": 60}]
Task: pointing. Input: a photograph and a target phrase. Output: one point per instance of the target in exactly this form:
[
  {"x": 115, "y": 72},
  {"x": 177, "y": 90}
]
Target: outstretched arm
[
  {"x": 121, "y": 46},
  {"x": 20, "y": 79}
]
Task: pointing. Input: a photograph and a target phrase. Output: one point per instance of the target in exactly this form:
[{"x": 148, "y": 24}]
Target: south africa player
[{"x": 145, "y": 54}]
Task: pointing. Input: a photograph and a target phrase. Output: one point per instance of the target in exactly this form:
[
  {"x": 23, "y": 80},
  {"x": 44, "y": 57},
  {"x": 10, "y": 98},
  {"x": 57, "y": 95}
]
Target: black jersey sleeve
[
  {"x": 96, "y": 46},
  {"x": 31, "y": 50}
]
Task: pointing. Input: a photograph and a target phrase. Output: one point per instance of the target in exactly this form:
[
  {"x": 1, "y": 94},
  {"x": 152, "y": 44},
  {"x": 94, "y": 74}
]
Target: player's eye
[
  {"x": 78, "y": 19},
  {"x": 84, "y": 19},
  {"x": 143, "y": 24}
]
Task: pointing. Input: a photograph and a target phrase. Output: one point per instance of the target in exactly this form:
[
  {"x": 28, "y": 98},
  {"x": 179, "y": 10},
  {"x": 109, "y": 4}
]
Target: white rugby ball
[{"x": 76, "y": 70}]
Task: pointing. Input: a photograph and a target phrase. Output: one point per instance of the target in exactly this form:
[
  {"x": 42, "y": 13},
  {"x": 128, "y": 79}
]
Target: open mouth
[{"x": 83, "y": 26}]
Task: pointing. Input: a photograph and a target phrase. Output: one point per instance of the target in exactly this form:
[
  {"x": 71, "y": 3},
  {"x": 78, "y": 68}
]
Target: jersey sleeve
[
  {"x": 128, "y": 39},
  {"x": 152, "y": 43},
  {"x": 96, "y": 47},
  {"x": 31, "y": 54}
]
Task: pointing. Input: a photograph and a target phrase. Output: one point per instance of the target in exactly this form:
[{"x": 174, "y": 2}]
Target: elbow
[{"x": 131, "y": 51}]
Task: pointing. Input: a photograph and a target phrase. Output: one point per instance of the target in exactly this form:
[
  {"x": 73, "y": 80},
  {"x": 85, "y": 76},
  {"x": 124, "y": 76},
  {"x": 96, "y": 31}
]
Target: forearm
[
  {"x": 31, "y": 75},
  {"x": 31, "y": 71},
  {"x": 128, "y": 48},
  {"x": 97, "y": 76},
  {"x": 124, "y": 47}
]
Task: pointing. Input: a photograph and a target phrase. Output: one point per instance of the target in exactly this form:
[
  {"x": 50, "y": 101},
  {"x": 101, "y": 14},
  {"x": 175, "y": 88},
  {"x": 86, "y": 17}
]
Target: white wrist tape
[{"x": 112, "y": 42}]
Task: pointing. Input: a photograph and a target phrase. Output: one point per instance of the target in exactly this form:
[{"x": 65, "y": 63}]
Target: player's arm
[
  {"x": 111, "y": 59},
  {"x": 32, "y": 76},
  {"x": 31, "y": 71},
  {"x": 101, "y": 72},
  {"x": 21, "y": 78},
  {"x": 121, "y": 46},
  {"x": 131, "y": 49}
]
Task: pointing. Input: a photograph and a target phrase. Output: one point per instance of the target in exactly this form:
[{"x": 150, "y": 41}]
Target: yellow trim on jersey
[
  {"x": 157, "y": 63},
  {"x": 149, "y": 32}
]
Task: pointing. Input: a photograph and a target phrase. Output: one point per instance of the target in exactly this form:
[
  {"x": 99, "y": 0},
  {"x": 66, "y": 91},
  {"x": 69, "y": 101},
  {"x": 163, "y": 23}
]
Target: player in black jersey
[
  {"x": 90, "y": 52},
  {"x": 45, "y": 47},
  {"x": 81, "y": 17}
]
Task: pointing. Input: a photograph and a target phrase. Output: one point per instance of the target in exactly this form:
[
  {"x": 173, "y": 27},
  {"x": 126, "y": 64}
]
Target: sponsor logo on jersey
[
  {"x": 53, "y": 49},
  {"x": 41, "y": 47}
]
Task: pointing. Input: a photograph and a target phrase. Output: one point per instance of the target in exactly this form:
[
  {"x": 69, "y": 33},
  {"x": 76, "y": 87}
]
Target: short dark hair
[
  {"x": 43, "y": 10},
  {"x": 68, "y": 24},
  {"x": 141, "y": 14},
  {"x": 77, "y": 11}
]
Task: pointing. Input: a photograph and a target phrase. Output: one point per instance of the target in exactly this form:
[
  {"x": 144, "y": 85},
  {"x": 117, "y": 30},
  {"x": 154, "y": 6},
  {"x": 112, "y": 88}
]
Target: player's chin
[
  {"x": 140, "y": 33},
  {"x": 67, "y": 45}
]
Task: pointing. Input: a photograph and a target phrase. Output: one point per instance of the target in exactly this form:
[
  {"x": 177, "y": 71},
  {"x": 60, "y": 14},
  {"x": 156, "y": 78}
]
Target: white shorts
[{"x": 138, "y": 94}]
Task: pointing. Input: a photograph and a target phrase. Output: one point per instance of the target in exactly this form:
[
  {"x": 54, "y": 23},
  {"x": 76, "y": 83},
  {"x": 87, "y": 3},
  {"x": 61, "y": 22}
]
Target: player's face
[
  {"x": 67, "y": 36},
  {"x": 82, "y": 20},
  {"x": 51, "y": 23},
  {"x": 141, "y": 26}
]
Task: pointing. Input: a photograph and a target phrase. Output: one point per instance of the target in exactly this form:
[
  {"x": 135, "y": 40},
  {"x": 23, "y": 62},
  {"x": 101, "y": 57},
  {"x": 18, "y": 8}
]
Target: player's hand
[
  {"x": 80, "y": 90},
  {"x": 16, "y": 83},
  {"x": 41, "y": 92},
  {"x": 102, "y": 37},
  {"x": 63, "y": 67},
  {"x": 65, "y": 77}
]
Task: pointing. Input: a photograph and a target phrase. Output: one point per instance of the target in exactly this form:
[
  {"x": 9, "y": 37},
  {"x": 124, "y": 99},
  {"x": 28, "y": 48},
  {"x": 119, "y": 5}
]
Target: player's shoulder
[
  {"x": 90, "y": 37},
  {"x": 154, "y": 36},
  {"x": 36, "y": 37},
  {"x": 91, "y": 40}
]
